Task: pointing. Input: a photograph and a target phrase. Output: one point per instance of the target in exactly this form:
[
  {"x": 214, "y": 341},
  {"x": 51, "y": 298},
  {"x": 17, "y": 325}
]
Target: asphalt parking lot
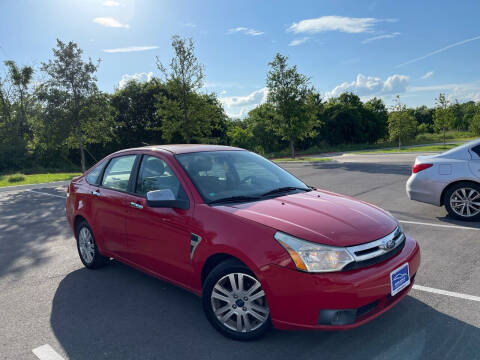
[{"x": 48, "y": 298}]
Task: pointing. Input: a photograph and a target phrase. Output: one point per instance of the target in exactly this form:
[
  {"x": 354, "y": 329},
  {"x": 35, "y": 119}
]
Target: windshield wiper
[
  {"x": 284, "y": 189},
  {"x": 234, "y": 199}
]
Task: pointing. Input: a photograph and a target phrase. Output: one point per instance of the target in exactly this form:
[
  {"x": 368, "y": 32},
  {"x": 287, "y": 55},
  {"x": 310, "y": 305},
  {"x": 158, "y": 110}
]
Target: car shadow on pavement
[
  {"x": 120, "y": 313},
  {"x": 372, "y": 168},
  {"x": 450, "y": 221},
  {"x": 29, "y": 221}
]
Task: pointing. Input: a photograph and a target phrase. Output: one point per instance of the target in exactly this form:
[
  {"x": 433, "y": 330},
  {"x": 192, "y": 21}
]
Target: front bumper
[{"x": 297, "y": 299}]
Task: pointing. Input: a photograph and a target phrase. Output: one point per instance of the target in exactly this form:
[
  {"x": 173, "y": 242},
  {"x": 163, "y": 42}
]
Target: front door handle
[
  {"x": 95, "y": 192},
  {"x": 135, "y": 205}
]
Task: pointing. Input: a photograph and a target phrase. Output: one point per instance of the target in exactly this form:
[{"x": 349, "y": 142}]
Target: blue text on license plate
[{"x": 399, "y": 279}]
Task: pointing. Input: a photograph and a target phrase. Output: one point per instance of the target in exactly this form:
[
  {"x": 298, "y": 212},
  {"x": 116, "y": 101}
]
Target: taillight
[{"x": 419, "y": 167}]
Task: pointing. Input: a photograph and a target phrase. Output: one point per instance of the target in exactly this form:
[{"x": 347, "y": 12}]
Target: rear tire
[
  {"x": 87, "y": 247},
  {"x": 462, "y": 201},
  {"x": 238, "y": 310}
]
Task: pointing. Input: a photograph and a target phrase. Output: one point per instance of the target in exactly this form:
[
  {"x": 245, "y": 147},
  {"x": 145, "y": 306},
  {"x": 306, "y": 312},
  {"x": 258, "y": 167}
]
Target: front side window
[
  {"x": 117, "y": 174},
  {"x": 155, "y": 174},
  {"x": 93, "y": 176},
  {"x": 227, "y": 174}
]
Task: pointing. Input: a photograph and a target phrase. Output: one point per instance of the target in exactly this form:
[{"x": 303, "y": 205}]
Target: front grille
[{"x": 376, "y": 251}]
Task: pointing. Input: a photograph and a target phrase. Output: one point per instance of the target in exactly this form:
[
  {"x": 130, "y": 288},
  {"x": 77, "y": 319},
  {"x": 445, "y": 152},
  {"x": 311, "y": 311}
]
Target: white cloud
[
  {"x": 246, "y": 31},
  {"x": 439, "y": 51},
  {"x": 143, "y": 76},
  {"x": 239, "y": 106},
  {"x": 111, "y": 3},
  {"x": 130, "y": 49},
  {"x": 460, "y": 91},
  {"x": 395, "y": 84},
  {"x": 427, "y": 75},
  {"x": 189, "y": 24},
  {"x": 335, "y": 23},
  {"x": 369, "y": 85},
  {"x": 296, "y": 42},
  {"x": 110, "y": 22},
  {"x": 381, "y": 37}
]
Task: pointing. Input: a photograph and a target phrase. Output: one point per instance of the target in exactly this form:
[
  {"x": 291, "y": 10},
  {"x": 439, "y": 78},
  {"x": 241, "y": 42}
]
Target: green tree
[
  {"x": 287, "y": 92},
  {"x": 343, "y": 123},
  {"x": 347, "y": 120},
  {"x": 16, "y": 103},
  {"x": 260, "y": 123},
  {"x": 443, "y": 115},
  {"x": 458, "y": 121},
  {"x": 241, "y": 136},
  {"x": 375, "y": 117},
  {"x": 137, "y": 121},
  {"x": 424, "y": 117},
  {"x": 183, "y": 79},
  {"x": 75, "y": 78},
  {"x": 21, "y": 78},
  {"x": 468, "y": 109},
  {"x": 401, "y": 123},
  {"x": 474, "y": 125}
]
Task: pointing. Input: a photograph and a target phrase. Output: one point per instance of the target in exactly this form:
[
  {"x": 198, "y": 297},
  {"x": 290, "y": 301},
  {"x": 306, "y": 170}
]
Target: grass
[
  {"x": 427, "y": 148},
  {"x": 420, "y": 139},
  {"x": 303, "y": 159},
  {"x": 21, "y": 179}
]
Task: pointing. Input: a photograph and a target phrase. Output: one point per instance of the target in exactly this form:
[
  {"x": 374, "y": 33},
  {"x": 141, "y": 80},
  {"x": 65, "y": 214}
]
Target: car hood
[{"x": 319, "y": 216}]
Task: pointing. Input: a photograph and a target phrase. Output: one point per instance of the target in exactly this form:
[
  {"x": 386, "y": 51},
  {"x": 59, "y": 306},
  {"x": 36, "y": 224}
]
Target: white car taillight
[{"x": 420, "y": 167}]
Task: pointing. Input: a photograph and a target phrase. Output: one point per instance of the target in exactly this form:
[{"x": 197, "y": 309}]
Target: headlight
[{"x": 313, "y": 257}]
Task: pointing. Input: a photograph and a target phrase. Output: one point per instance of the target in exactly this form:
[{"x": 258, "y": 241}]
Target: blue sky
[{"x": 373, "y": 48}]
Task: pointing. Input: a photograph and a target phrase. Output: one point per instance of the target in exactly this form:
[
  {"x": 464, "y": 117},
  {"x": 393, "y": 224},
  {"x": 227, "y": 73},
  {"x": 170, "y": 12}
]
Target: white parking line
[
  {"x": 439, "y": 225},
  {"x": 46, "y": 352},
  {"x": 44, "y": 193},
  {"x": 447, "y": 293}
]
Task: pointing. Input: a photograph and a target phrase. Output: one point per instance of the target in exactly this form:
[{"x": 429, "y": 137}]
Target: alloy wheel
[
  {"x": 239, "y": 303},
  {"x": 465, "y": 202},
  {"x": 86, "y": 245}
]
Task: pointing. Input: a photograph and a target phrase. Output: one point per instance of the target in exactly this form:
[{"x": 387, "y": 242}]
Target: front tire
[
  {"x": 235, "y": 303},
  {"x": 462, "y": 201},
  {"x": 87, "y": 248}
]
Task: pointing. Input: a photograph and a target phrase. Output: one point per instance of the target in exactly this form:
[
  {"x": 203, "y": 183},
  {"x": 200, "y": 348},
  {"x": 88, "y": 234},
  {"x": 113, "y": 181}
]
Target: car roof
[
  {"x": 184, "y": 148},
  {"x": 460, "y": 150}
]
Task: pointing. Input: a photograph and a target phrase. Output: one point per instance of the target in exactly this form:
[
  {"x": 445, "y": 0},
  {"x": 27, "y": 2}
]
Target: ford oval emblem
[{"x": 388, "y": 245}]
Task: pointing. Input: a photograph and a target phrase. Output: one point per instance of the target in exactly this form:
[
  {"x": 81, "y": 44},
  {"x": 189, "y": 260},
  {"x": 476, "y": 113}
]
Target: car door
[
  {"x": 109, "y": 203},
  {"x": 159, "y": 238},
  {"x": 474, "y": 163}
]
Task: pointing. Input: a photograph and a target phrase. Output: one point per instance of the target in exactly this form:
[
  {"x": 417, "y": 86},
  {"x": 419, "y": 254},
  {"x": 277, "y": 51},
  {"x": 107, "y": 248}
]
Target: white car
[{"x": 451, "y": 179}]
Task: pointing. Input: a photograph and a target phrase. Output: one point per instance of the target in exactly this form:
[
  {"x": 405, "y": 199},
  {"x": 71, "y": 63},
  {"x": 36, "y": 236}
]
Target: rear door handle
[
  {"x": 95, "y": 192},
  {"x": 135, "y": 205}
]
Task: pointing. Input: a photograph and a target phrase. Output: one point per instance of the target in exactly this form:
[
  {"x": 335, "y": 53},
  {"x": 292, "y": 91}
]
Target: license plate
[{"x": 399, "y": 279}]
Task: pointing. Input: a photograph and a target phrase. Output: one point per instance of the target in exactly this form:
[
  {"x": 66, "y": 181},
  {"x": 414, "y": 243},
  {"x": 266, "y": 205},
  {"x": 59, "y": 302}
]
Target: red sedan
[{"x": 260, "y": 246}]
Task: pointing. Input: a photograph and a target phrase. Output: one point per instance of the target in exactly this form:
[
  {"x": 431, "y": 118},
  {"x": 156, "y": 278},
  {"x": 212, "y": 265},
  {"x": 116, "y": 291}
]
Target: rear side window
[
  {"x": 93, "y": 176},
  {"x": 476, "y": 150},
  {"x": 117, "y": 174}
]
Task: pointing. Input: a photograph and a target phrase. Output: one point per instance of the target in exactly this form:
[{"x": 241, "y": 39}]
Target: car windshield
[{"x": 236, "y": 176}]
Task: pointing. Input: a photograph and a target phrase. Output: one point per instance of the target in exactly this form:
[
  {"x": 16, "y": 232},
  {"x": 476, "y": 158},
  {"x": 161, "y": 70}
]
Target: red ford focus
[{"x": 260, "y": 246}]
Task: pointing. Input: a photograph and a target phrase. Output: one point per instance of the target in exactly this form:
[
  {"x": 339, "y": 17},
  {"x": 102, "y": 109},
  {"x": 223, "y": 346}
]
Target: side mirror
[{"x": 165, "y": 198}]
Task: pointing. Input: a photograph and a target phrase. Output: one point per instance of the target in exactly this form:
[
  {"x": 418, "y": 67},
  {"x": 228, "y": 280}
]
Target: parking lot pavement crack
[{"x": 375, "y": 188}]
